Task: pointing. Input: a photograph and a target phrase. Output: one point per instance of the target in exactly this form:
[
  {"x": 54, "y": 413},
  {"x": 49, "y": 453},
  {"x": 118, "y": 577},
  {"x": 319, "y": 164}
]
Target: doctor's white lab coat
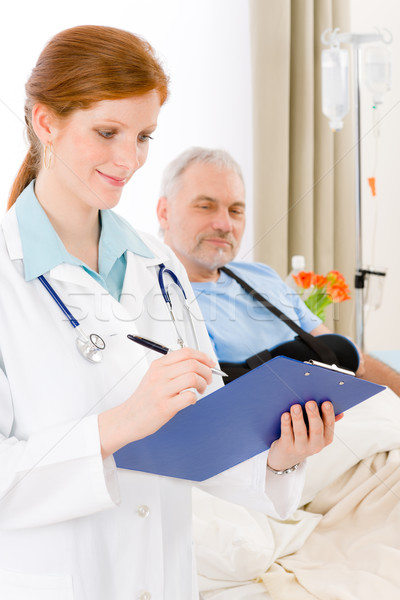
[{"x": 72, "y": 526}]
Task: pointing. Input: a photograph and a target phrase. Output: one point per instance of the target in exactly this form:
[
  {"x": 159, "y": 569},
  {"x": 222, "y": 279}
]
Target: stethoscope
[
  {"x": 91, "y": 346},
  {"x": 167, "y": 298}
]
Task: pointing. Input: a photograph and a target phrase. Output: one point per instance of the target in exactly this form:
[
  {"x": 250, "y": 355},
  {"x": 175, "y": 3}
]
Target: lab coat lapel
[
  {"x": 76, "y": 275},
  {"x": 147, "y": 306},
  {"x": 11, "y": 234},
  {"x": 141, "y": 274}
]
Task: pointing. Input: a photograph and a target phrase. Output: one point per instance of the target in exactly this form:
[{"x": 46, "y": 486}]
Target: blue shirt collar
[{"x": 43, "y": 249}]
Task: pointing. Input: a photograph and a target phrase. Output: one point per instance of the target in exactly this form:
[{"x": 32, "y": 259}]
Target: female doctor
[{"x": 75, "y": 280}]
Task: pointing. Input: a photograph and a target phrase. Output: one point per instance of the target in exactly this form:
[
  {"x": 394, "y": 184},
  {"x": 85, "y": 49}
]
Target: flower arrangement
[{"x": 322, "y": 290}]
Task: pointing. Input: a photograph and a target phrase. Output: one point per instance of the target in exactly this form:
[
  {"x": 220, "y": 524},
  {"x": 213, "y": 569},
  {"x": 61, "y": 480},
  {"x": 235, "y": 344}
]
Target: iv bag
[
  {"x": 377, "y": 71},
  {"x": 335, "y": 86}
]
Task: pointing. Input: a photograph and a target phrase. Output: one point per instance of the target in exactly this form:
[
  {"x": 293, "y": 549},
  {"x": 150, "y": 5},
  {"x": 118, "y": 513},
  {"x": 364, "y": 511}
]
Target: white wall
[
  {"x": 381, "y": 215},
  {"x": 204, "y": 45}
]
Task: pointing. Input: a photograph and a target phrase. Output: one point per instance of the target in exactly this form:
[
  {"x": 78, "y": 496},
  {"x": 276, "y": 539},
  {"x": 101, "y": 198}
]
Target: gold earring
[{"x": 47, "y": 156}]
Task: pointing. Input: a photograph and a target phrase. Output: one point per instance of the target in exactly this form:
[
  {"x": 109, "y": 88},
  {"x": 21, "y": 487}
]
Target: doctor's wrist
[
  {"x": 113, "y": 430},
  {"x": 283, "y": 471}
]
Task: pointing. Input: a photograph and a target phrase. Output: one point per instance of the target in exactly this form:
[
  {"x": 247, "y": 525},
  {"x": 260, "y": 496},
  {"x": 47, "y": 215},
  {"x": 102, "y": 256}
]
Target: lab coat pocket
[{"x": 21, "y": 586}]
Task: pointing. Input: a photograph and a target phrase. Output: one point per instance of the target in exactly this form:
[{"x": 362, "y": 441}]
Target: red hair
[{"x": 79, "y": 67}]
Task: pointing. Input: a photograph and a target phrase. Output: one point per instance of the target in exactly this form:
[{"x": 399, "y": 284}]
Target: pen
[{"x": 163, "y": 349}]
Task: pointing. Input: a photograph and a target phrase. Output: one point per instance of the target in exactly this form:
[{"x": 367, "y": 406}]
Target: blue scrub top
[{"x": 43, "y": 249}]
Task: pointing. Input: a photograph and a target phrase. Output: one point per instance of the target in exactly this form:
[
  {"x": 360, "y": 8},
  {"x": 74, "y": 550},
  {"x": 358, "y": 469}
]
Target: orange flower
[
  {"x": 319, "y": 281},
  {"x": 304, "y": 279},
  {"x": 339, "y": 292},
  {"x": 335, "y": 277},
  {"x": 322, "y": 290}
]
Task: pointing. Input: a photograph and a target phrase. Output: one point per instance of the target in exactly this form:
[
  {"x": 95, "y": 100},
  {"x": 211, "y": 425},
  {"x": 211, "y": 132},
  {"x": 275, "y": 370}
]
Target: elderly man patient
[{"x": 201, "y": 212}]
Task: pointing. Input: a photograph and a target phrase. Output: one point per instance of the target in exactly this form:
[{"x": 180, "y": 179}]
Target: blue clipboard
[{"x": 239, "y": 420}]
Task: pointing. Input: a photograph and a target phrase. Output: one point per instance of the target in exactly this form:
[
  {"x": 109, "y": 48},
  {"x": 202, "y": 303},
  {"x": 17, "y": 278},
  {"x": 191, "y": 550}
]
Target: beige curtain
[{"x": 303, "y": 173}]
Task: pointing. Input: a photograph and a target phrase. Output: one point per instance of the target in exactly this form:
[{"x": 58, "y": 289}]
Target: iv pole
[{"x": 356, "y": 40}]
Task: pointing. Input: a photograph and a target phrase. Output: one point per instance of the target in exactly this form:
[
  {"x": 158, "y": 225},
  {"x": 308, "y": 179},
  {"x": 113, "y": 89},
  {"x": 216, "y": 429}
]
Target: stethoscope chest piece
[{"x": 91, "y": 347}]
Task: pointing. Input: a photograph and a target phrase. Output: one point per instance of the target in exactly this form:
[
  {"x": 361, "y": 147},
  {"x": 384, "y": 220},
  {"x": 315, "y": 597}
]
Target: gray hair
[{"x": 195, "y": 155}]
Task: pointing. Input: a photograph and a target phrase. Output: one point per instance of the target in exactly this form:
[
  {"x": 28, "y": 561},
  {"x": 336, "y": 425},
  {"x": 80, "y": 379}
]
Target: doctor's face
[
  {"x": 204, "y": 220},
  {"x": 97, "y": 150}
]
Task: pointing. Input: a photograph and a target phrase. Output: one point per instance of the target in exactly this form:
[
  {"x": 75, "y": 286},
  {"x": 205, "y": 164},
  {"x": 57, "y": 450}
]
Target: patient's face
[{"x": 204, "y": 221}]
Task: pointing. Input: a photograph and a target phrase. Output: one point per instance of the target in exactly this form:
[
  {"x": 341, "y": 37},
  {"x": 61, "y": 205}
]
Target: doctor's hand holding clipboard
[{"x": 299, "y": 441}]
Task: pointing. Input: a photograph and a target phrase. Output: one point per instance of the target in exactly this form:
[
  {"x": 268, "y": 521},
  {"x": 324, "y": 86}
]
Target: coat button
[
  {"x": 145, "y": 596},
  {"x": 143, "y": 512}
]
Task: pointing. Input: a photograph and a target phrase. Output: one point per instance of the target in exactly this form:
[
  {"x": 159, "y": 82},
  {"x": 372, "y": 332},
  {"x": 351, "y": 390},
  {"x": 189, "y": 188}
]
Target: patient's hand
[{"x": 298, "y": 440}]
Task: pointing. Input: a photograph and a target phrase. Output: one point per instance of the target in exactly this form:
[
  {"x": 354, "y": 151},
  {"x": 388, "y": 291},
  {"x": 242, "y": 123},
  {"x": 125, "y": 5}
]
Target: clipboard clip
[{"x": 331, "y": 367}]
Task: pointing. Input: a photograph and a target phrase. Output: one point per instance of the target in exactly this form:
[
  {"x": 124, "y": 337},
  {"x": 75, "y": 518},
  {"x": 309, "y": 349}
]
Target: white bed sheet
[
  {"x": 235, "y": 546},
  {"x": 252, "y": 591}
]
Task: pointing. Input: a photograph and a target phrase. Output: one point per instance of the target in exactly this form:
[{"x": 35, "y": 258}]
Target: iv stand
[{"x": 356, "y": 40}]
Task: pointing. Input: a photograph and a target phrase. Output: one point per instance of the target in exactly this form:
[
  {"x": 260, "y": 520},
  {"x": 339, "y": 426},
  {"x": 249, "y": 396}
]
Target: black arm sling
[{"x": 332, "y": 349}]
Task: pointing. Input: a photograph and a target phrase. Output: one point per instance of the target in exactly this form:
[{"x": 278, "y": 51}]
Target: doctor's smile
[{"x": 117, "y": 181}]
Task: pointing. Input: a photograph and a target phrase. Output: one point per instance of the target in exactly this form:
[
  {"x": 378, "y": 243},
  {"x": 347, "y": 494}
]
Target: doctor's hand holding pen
[
  {"x": 167, "y": 388},
  {"x": 163, "y": 391}
]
